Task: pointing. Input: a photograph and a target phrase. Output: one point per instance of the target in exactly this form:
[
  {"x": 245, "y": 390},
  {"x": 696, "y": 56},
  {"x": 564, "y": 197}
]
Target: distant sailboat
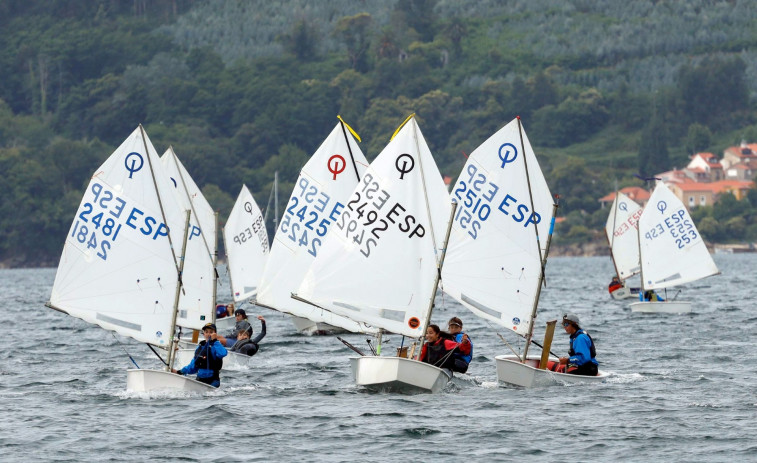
[
  {"x": 380, "y": 264},
  {"x": 319, "y": 197},
  {"x": 119, "y": 268},
  {"x": 671, "y": 250},
  {"x": 620, "y": 230}
]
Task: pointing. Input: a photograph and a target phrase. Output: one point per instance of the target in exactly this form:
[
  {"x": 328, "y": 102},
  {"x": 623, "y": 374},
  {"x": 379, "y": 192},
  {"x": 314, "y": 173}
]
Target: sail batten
[{"x": 672, "y": 251}]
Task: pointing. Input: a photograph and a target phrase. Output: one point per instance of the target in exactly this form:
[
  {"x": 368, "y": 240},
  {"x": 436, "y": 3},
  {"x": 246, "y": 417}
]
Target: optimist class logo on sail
[{"x": 478, "y": 194}]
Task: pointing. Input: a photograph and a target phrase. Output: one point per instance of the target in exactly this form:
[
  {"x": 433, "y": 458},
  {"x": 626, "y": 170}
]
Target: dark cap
[
  {"x": 240, "y": 312},
  {"x": 210, "y": 326}
]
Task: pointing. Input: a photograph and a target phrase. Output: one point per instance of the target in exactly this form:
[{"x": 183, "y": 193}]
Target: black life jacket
[
  {"x": 435, "y": 352},
  {"x": 205, "y": 360},
  {"x": 592, "y": 350},
  {"x": 247, "y": 348}
]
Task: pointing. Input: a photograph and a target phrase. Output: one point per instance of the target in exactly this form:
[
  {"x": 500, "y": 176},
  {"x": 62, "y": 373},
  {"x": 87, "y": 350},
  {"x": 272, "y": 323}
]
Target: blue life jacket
[
  {"x": 592, "y": 349},
  {"x": 460, "y": 355}
]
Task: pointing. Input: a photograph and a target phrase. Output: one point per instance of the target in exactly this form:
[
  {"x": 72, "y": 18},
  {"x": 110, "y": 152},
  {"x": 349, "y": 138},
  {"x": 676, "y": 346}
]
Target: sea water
[{"x": 683, "y": 387}]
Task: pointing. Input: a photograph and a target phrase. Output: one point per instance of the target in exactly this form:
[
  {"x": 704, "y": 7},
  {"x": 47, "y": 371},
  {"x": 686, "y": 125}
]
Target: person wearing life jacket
[
  {"x": 615, "y": 284},
  {"x": 208, "y": 359},
  {"x": 438, "y": 351},
  {"x": 247, "y": 346},
  {"x": 241, "y": 324},
  {"x": 462, "y": 361},
  {"x": 582, "y": 360},
  {"x": 650, "y": 296}
]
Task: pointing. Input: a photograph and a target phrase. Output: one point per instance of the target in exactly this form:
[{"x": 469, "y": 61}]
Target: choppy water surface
[{"x": 683, "y": 388}]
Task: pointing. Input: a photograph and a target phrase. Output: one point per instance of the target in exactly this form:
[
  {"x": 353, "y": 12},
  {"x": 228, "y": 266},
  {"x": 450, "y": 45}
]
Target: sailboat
[
  {"x": 624, "y": 250},
  {"x": 380, "y": 264},
  {"x": 671, "y": 251},
  {"x": 119, "y": 268},
  {"x": 319, "y": 197},
  {"x": 499, "y": 244}
]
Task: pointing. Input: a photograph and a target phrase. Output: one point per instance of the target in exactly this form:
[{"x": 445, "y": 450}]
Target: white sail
[
  {"x": 493, "y": 262},
  {"x": 196, "y": 302},
  {"x": 672, "y": 250},
  {"x": 621, "y": 234},
  {"x": 246, "y": 246},
  {"x": 323, "y": 188},
  {"x": 378, "y": 265},
  {"x": 117, "y": 269}
]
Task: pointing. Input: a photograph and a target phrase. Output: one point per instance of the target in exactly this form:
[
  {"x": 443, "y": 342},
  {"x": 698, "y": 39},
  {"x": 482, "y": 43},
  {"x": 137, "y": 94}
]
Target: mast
[
  {"x": 530, "y": 334},
  {"x": 439, "y": 265},
  {"x": 215, "y": 270},
  {"x": 542, "y": 259},
  {"x": 611, "y": 239},
  {"x": 641, "y": 267},
  {"x": 349, "y": 148},
  {"x": 276, "y": 201},
  {"x": 174, "y": 341}
]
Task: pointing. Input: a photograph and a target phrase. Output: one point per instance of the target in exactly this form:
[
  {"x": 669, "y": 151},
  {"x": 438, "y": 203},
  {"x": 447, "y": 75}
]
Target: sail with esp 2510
[
  {"x": 499, "y": 243},
  {"x": 118, "y": 268}
]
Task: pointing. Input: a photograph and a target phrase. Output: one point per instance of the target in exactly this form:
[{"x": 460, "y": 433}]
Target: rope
[{"x": 127, "y": 353}]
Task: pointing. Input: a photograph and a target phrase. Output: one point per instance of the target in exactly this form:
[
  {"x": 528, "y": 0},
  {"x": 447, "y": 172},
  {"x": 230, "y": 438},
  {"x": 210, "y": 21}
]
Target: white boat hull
[
  {"x": 232, "y": 361},
  {"x": 397, "y": 374},
  {"x": 661, "y": 307},
  {"x": 510, "y": 370},
  {"x": 161, "y": 380},
  {"x": 305, "y": 326},
  {"x": 625, "y": 293},
  {"x": 225, "y": 324}
]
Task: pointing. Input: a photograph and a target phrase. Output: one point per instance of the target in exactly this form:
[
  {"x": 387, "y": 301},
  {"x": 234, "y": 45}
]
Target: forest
[{"x": 244, "y": 89}]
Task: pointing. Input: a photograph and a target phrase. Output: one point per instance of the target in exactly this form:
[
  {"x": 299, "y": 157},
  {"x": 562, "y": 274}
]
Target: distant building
[
  {"x": 705, "y": 167},
  {"x": 637, "y": 194},
  {"x": 706, "y": 194}
]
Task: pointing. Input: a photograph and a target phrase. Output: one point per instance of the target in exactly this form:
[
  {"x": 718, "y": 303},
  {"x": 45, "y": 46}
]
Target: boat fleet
[{"x": 361, "y": 247}]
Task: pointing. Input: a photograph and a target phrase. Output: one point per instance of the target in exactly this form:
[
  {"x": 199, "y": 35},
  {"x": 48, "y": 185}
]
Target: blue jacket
[
  {"x": 580, "y": 349},
  {"x": 214, "y": 353},
  {"x": 460, "y": 355}
]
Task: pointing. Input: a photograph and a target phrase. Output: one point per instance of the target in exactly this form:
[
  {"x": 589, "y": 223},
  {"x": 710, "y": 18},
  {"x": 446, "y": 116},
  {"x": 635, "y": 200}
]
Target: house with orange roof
[
  {"x": 742, "y": 154},
  {"x": 705, "y": 167},
  {"x": 706, "y": 194},
  {"x": 637, "y": 194}
]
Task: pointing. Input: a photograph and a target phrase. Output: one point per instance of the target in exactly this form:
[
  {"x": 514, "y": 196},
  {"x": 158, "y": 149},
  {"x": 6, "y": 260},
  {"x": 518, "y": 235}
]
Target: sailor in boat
[
  {"x": 208, "y": 359},
  {"x": 615, "y": 284},
  {"x": 242, "y": 324},
  {"x": 455, "y": 328},
  {"x": 582, "y": 360},
  {"x": 247, "y": 346},
  {"x": 650, "y": 296},
  {"x": 439, "y": 351}
]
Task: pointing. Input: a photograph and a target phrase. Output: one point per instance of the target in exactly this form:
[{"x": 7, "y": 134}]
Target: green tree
[
  {"x": 698, "y": 138},
  {"x": 354, "y": 32}
]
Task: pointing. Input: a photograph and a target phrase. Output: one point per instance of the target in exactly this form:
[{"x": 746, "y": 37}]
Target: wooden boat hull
[
  {"x": 305, "y": 326},
  {"x": 232, "y": 361},
  {"x": 511, "y": 371},
  {"x": 397, "y": 374},
  {"x": 661, "y": 307},
  {"x": 161, "y": 380}
]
